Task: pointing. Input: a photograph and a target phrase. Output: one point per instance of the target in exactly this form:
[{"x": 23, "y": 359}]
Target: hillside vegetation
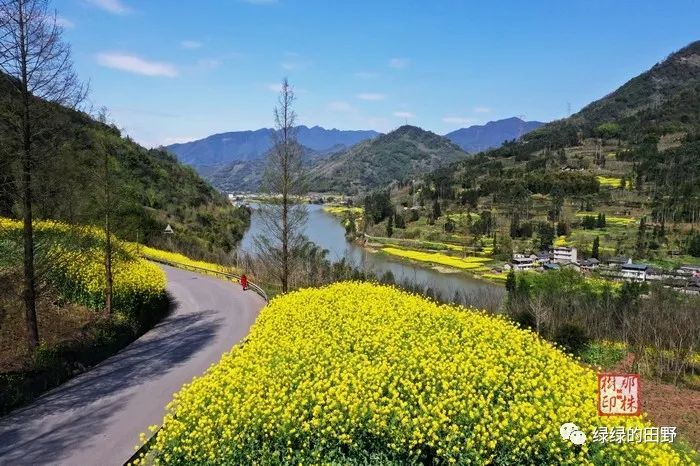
[
  {"x": 364, "y": 374},
  {"x": 631, "y": 157},
  {"x": 148, "y": 187},
  {"x": 75, "y": 331},
  {"x": 234, "y": 161}
]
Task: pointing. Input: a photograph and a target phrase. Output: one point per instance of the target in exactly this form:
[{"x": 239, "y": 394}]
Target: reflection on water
[{"x": 326, "y": 231}]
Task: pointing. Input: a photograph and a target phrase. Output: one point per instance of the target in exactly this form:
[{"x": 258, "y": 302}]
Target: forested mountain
[
  {"x": 664, "y": 97},
  {"x": 663, "y": 100},
  {"x": 247, "y": 175},
  {"x": 224, "y": 149},
  {"x": 400, "y": 155},
  {"x": 634, "y": 153},
  {"x": 478, "y": 138},
  {"x": 79, "y": 160},
  {"x": 234, "y": 161}
]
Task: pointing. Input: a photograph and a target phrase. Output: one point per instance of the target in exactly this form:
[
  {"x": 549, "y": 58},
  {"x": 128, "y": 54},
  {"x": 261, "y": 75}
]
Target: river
[{"x": 325, "y": 230}]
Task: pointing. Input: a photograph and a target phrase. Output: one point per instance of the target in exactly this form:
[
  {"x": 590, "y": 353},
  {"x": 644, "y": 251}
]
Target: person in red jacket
[{"x": 244, "y": 282}]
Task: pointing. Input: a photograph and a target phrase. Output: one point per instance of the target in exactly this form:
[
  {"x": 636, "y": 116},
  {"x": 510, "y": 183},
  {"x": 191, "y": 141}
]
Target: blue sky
[{"x": 173, "y": 71}]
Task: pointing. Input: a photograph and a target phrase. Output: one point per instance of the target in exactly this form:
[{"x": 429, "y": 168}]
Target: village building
[
  {"x": 589, "y": 264},
  {"x": 635, "y": 272},
  {"x": 543, "y": 257},
  {"x": 617, "y": 261},
  {"x": 520, "y": 263},
  {"x": 563, "y": 254},
  {"x": 692, "y": 270}
]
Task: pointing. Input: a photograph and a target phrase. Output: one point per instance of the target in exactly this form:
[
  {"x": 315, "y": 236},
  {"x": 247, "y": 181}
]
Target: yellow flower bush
[
  {"x": 499, "y": 277},
  {"x": 609, "y": 181},
  {"x": 75, "y": 261},
  {"x": 356, "y": 373},
  {"x": 468, "y": 263},
  {"x": 167, "y": 256},
  {"x": 343, "y": 210}
]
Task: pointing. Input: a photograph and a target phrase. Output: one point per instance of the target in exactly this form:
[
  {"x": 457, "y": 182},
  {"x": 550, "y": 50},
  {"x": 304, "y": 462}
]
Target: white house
[
  {"x": 522, "y": 263},
  {"x": 565, "y": 254},
  {"x": 634, "y": 272}
]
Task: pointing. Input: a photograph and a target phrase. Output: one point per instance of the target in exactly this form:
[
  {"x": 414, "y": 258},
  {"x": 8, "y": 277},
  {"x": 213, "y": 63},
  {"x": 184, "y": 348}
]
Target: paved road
[{"x": 96, "y": 418}]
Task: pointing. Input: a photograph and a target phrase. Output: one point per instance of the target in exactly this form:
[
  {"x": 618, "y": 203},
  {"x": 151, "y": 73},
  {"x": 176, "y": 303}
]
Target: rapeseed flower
[{"x": 366, "y": 374}]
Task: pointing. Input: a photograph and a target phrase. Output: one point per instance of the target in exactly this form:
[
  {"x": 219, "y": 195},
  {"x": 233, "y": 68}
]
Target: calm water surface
[{"x": 326, "y": 231}]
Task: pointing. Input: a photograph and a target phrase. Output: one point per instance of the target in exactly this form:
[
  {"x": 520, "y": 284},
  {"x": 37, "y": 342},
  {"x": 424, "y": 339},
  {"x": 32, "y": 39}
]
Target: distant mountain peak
[
  {"x": 401, "y": 154},
  {"x": 479, "y": 138},
  {"x": 216, "y": 156}
]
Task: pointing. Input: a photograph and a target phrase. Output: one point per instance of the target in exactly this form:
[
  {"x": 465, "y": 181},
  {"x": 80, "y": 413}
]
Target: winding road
[{"x": 96, "y": 417}]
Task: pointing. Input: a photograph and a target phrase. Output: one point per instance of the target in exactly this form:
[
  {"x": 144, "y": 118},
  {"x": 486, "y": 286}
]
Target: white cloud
[
  {"x": 275, "y": 87},
  {"x": 404, "y": 115},
  {"x": 340, "y": 106},
  {"x": 457, "y": 120},
  {"x": 113, "y": 6},
  {"x": 482, "y": 109},
  {"x": 372, "y": 96},
  {"x": 137, "y": 65},
  {"x": 190, "y": 44},
  {"x": 64, "y": 22},
  {"x": 399, "y": 62}
]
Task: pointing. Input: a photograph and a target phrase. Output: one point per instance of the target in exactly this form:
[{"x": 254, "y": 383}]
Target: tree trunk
[
  {"x": 285, "y": 243},
  {"x": 108, "y": 237},
  {"x": 108, "y": 268},
  {"x": 29, "y": 291}
]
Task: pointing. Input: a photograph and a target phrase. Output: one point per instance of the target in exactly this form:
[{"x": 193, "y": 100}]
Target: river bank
[
  {"x": 442, "y": 257},
  {"x": 327, "y": 231}
]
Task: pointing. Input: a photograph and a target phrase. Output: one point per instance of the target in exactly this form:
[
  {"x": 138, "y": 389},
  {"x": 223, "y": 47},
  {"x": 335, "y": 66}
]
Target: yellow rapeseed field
[
  {"x": 356, "y": 373},
  {"x": 610, "y": 220},
  {"x": 609, "y": 181},
  {"x": 75, "y": 267},
  {"x": 468, "y": 263},
  {"x": 174, "y": 257}
]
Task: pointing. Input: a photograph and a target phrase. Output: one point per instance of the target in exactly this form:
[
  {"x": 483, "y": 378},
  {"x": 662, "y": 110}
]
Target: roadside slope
[{"x": 96, "y": 417}]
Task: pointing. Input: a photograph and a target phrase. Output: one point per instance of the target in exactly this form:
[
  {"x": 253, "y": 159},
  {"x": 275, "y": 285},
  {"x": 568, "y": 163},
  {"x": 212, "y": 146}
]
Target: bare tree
[
  {"x": 40, "y": 72},
  {"x": 283, "y": 216}
]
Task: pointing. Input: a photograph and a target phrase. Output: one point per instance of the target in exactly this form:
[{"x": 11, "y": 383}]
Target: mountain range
[
  {"x": 240, "y": 146},
  {"x": 232, "y": 161},
  {"x": 479, "y": 138}
]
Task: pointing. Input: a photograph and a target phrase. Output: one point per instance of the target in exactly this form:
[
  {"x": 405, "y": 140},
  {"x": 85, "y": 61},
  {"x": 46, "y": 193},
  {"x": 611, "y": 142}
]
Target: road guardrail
[{"x": 231, "y": 276}]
